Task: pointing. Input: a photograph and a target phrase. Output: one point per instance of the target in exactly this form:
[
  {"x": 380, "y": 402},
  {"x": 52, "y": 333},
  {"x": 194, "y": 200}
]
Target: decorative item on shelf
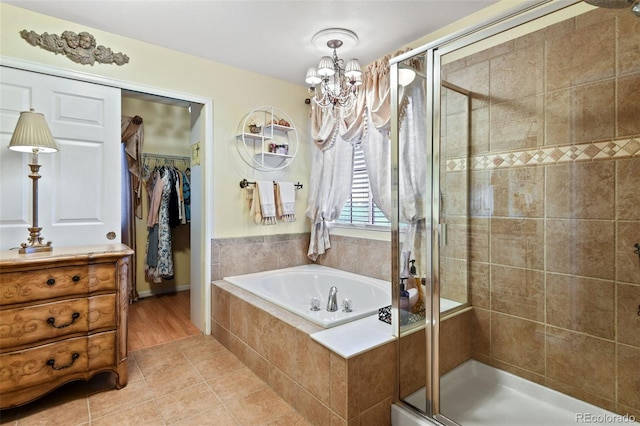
[
  {"x": 338, "y": 81},
  {"x": 255, "y": 125},
  {"x": 32, "y": 135},
  {"x": 272, "y": 144}
]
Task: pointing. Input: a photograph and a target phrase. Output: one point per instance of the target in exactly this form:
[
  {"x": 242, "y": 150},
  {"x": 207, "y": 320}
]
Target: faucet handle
[
  {"x": 315, "y": 304},
  {"x": 347, "y": 305}
]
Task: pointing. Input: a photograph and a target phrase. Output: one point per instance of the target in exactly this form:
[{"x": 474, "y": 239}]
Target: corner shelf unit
[{"x": 274, "y": 147}]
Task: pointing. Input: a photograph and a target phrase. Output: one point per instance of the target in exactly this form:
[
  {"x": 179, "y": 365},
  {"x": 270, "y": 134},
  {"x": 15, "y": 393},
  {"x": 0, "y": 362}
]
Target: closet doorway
[{"x": 166, "y": 149}]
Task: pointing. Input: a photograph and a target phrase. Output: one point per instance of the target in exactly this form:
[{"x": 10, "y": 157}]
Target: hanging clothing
[{"x": 165, "y": 189}]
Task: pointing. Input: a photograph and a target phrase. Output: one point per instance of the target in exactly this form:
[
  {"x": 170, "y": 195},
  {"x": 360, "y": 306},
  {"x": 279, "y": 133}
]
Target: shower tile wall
[{"x": 554, "y": 205}]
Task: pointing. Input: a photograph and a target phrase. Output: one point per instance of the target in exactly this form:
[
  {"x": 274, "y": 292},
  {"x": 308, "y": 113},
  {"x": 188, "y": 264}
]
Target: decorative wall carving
[{"x": 80, "y": 48}]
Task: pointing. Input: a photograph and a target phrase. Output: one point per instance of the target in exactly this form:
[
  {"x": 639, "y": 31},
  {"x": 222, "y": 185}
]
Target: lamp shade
[
  {"x": 352, "y": 69},
  {"x": 325, "y": 67},
  {"x": 312, "y": 77},
  {"x": 32, "y": 133}
]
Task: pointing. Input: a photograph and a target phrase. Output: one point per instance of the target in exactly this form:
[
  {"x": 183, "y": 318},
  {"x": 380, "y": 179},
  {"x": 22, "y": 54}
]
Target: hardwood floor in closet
[{"x": 160, "y": 319}]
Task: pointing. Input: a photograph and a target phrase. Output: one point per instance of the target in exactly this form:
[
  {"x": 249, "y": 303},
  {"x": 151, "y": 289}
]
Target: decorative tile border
[{"x": 592, "y": 151}]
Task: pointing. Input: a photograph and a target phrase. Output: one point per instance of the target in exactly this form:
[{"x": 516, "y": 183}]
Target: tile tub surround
[
  {"x": 243, "y": 255},
  {"x": 277, "y": 346},
  {"x": 553, "y": 212}
]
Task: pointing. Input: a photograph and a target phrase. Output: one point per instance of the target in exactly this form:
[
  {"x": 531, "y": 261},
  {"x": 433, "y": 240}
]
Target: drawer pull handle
[
  {"x": 52, "y": 362},
  {"x": 51, "y": 281},
  {"x": 52, "y": 321},
  {"x": 75, "y": 278}
]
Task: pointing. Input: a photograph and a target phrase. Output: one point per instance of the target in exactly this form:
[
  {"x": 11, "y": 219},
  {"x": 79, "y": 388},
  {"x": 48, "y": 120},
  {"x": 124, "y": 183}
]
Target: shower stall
[{"x": 516, "y": 159}]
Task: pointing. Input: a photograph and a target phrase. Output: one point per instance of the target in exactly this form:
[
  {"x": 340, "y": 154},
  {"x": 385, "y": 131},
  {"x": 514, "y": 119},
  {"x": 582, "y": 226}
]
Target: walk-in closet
[{"x": 165, "y": 157}]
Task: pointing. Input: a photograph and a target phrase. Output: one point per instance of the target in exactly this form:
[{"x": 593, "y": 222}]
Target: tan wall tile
[
  {"x": 283, "y": 385},
  {"x": 220, "y": 306},
  {"x": 281, "y": 346},
  {"x": 584, "y": 362},
  {"x": 312, "y": 365},
  {"x": 581, "y": 304},
  {"x": 628, "y": 105},
  {"x": 518, "y": 192},
  {"x": 517, "y": 242},
  {"x": 581, "y": 247},
  {"x": 517, "y": 74},
  {"x": 518, "y": 292},
  {"x": 627, "y": 180},
  {"x": 480, "y": 322},
  {"x": 339, "y": 385},
  {"x": 412, "y": 359},
  {"x": 517, "y": 124},
  {"x": 312, "y": 409},
  {"x": 629, "y": 376},
  {"x": 628, "y": 44},
  {"x": 628, "y": 305},
  {"x": 581, "y": 190},
  {"x": 581, "y": 394},
  {"x": 479, "y": 295},
  {"x": 627, "y": 264},
  {"x": 377, "y": 369},
  {"x": 518, "y": 342},
  {"x": 596, "y": 44}
]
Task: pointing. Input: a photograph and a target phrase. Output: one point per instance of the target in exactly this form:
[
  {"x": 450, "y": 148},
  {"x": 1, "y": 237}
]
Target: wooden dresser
[{"x": 63, "y": 317}]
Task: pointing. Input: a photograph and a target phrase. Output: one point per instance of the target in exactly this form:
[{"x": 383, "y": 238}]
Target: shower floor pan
[{"x": 475, "y": 394}]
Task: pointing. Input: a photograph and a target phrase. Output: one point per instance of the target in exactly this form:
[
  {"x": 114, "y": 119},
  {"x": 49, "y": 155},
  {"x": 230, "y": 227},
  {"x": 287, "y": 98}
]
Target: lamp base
[{"x": 34, "y": 243}]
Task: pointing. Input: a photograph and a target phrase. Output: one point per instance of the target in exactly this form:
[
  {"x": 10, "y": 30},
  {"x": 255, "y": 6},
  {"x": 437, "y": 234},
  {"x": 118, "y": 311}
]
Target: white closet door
[{"x": 79, "y": 191}]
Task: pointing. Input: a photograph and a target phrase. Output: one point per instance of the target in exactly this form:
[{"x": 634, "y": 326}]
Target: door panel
[{"x": 79, "y": 192}]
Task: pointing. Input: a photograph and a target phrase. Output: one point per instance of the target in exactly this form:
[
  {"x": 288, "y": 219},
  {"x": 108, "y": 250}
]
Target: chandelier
[{"x": 334, "y": 83}]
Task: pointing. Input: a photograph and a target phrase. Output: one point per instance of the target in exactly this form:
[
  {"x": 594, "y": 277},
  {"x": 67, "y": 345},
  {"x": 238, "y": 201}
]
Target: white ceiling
[{"x": 272, "y": 38}]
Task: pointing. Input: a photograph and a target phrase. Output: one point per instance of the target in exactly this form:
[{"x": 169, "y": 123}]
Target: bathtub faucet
[{"x": 332, "y": 303}]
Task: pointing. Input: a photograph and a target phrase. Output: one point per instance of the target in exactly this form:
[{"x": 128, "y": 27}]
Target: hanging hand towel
[
  {"x": 286, "y": 201},
  {"x": 265, "y": 193}
]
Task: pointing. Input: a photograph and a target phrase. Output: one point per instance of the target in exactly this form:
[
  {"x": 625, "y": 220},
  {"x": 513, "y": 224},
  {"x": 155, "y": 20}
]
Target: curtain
[
  {"x": 368, "y": 124},
  {"x": 329, "y": 188},
  {"x": 132, "y": 137}
]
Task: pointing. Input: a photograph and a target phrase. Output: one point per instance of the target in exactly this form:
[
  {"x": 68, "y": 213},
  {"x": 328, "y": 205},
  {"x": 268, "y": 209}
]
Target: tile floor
[{"x": 192, "y": 381}]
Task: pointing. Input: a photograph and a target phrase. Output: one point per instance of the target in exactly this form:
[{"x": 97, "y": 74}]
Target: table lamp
[{"x": 32, "y": 135}]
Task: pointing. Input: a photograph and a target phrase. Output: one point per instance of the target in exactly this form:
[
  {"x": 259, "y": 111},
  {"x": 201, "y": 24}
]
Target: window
[{"x": 360, "y": 208}]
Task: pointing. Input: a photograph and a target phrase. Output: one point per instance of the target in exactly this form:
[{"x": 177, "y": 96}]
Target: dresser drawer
[
  {"x": 56, "y": 363},
  {"x": 42, "y": 284},
  {"x": 51, "y": 321}
]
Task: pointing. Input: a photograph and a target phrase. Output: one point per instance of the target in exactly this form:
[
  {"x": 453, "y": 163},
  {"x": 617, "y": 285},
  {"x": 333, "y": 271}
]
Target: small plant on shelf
[{"x": 255, "y": 125}]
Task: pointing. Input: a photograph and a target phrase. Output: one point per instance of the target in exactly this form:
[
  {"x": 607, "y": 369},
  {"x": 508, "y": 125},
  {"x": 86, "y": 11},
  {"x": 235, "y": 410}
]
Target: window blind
[{"x": 360, "y": 208}]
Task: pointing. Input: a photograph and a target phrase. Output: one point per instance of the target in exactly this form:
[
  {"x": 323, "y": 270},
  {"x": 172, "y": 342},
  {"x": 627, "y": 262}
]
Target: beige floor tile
[
  {"x": 143, "y": 414},
  {"x": 216, "y": 416},
  {"x": 215, "y": 366},
  {"x": 74, "y": 412},
  {"x": 111, "y": 400},
  {"x": 186, "y": 402},
  {"x": 259, "y": 408},
  {"x": 237, "y": 384}
]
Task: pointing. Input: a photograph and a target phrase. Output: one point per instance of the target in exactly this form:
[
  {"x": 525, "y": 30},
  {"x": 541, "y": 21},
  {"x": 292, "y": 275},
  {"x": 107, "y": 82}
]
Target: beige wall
[
  {"x": 234, "y": 92},
  {"x": 553, "y": 194},
  {"x": 166, "y": 131}
]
